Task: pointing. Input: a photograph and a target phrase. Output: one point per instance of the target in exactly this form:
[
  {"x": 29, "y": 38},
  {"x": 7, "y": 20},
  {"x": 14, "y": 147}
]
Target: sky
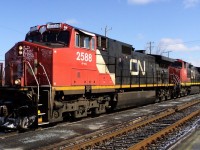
[{"x": 171, "y": 26}]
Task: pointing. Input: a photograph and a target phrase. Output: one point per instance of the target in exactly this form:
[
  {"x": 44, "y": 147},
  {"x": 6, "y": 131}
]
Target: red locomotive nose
[{"x": 14, "y": 65}]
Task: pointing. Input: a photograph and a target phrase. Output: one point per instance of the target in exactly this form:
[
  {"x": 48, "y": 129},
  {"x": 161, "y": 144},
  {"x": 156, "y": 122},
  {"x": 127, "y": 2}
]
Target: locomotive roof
[
  {"x": 92, "y": 33},
  {"x": 80, "y": 30},
  {"x": 163, "y": 58}
]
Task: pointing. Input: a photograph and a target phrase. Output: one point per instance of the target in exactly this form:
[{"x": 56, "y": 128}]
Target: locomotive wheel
[
  {"x": 168, "y": 95},
  {"x": 162, "y": 95},
  {"x": 157, "y": 100},
  {"x": 80, "y": 113},
  {"x": 95, "y": 112},
  {"x": 186, "y": 92},
  {"x": 24, "y": 122},
  {"x": 162, "y": 98},
  {"x": 173, "y": 94}
]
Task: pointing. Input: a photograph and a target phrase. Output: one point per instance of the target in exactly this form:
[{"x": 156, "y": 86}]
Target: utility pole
[
  {"x": 150, "y": 46},
  {"x": 106, "y": 30},
  {"x": 167, "y": 53}
]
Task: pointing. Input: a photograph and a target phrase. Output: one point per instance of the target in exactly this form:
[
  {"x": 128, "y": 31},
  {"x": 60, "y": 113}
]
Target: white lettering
[
  {"x": 53, "y": 26},
  {"x": 28, "y": 53},
  {"x": 138, "y": 67},
  {"x": 81, "y": 56}
]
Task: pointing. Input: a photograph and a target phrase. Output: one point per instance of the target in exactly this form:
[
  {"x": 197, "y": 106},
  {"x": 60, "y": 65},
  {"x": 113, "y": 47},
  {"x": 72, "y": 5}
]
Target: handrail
[
  {"x": 38, "y": 95},
  {"x": 50, "y": 86},
  {"x": 3, "y": 75},
  {"x": 175, "y": 78}
]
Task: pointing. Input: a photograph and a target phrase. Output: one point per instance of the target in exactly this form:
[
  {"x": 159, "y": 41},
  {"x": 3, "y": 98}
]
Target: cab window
[
  {"x": 93, "y": 43},
  {"x": 77, "y": 40},
  {"x": 102, "y": 43},
  {"x": 84, "y": 41}
]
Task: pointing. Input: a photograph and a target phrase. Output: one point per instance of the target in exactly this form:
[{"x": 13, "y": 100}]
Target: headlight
[
  {"x": 20, "y": 50},
  {"x": 17, "y": 82}
]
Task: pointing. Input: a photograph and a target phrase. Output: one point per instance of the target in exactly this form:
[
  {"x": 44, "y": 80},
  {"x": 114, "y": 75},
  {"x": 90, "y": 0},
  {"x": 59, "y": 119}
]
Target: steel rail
[
  {"x": 96, "y": 140},
  {"x": 152, "y": 139}
]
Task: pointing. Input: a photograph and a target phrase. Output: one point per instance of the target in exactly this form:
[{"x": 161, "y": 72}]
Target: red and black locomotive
[{"x": 60, "y": 71}]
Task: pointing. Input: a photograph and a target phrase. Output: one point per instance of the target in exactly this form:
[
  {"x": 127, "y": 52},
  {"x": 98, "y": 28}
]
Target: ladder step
[
  {"x": 41, "y": 114},
  {"x": 40, "y": 104},
  {"x": 42, "y": 123}
]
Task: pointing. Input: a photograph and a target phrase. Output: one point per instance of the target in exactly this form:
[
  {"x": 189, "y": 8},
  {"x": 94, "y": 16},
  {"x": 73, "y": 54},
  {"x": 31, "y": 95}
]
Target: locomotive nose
[
  {"x": 20, "y": 62},
  {"x": 14, "y": 65}
]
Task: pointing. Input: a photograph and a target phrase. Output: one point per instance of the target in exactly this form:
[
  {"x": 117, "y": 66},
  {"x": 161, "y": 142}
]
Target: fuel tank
[
  {"x": 195, "y": 89},
  {"x": 136, "y": 98}
]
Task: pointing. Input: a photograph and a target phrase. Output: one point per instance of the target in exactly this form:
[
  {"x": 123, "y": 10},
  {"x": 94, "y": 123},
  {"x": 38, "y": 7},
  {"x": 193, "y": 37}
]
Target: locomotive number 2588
[{"x": 81, "y": 56}]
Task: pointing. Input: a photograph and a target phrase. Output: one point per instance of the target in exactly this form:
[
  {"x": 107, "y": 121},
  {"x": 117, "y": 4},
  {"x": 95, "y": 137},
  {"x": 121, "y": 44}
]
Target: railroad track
[
  {"x": 158, "y": 131},
  {"x": 68, "y": 134}
]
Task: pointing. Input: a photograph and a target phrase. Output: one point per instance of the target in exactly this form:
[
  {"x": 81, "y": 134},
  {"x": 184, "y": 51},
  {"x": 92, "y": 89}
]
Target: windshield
[{"x": 49, "y": 38}]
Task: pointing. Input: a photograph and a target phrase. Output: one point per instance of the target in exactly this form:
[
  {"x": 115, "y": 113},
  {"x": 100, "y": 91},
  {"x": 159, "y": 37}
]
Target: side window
[
  {"x": 102, "y": 43},
  {"x": 186, "y": 65},
  {"x": 77, "y": 40},
  {"x": 86, "y": 42},
  {"x": 126, "y": 50},
  {"x": 93, "y": 43}
]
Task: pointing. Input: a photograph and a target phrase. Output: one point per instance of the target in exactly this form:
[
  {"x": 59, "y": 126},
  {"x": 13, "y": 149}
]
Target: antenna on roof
[{"x": 106, "y": 30}]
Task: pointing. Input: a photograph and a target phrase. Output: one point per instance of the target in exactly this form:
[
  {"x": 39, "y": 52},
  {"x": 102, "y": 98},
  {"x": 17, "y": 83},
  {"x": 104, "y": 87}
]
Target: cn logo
[{"x": 138, "y": 67}]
